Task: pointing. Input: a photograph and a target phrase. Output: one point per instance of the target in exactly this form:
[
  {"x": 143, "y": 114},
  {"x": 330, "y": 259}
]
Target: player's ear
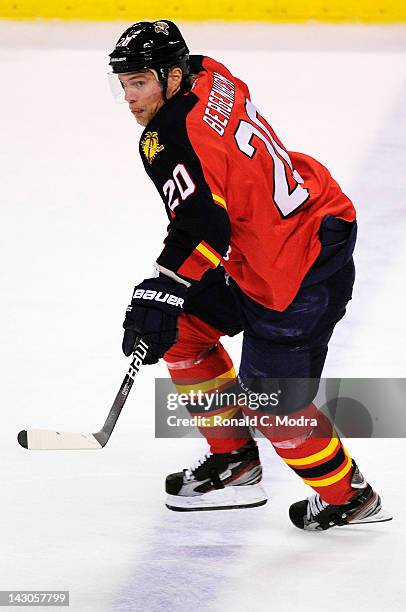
[{"x": 174, "y": 81}]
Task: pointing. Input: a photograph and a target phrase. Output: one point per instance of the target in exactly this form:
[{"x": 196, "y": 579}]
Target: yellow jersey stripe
[
  {"x": 329, "y": 481},
  {"x": 219, "y": 200},
  {"x": 207, "y": 254},
  {"x": 332, "y": 445},
  {"x": 207, "y": 385}
]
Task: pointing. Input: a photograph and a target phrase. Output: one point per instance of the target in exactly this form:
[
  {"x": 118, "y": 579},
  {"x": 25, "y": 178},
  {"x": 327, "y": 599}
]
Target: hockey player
[{"x": 278, "y": 228}]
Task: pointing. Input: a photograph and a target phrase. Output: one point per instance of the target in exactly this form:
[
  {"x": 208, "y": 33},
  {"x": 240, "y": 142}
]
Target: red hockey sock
[
  {"x": 316, "y": 454},
  {"x": 198, "y": 362}
]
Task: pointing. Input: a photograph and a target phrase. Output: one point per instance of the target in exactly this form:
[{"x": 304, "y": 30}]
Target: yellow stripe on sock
[
  {"x": 207, "y": 385},
  {"x": 329, "y": 481},
  {"x": 332, "y": 445}
]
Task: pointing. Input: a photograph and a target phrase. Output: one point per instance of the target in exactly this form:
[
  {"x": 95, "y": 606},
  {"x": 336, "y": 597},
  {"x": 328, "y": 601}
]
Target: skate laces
[
  {"x": 189, "y": 472},
  {"x": 315, "y": 505}
]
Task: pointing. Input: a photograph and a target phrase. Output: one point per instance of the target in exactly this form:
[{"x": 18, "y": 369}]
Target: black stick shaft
[{"x": 104, "y": 434}]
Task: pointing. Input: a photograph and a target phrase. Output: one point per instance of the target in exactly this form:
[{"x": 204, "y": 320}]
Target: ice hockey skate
[
  {"x": 218, "y": 482},
  {"x": 314, "y": 514}
]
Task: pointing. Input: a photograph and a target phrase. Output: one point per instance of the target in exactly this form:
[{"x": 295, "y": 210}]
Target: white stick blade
[{"x": 45, "y": 439}]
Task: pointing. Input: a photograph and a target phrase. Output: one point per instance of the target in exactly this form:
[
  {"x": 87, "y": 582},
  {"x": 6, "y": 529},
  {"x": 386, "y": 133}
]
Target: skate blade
[
  {"x": 229, "y": 498},
  {"x": 380, "y": 517}
]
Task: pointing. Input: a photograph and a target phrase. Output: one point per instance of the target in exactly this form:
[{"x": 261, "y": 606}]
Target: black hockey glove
[{"x": 153, "y": 316}]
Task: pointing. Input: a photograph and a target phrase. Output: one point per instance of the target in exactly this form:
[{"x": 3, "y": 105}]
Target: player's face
[{"x": 143, "y": 94}]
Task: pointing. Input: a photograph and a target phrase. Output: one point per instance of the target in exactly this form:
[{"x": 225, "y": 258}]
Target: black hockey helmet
[{"x": 144, "y": 45}]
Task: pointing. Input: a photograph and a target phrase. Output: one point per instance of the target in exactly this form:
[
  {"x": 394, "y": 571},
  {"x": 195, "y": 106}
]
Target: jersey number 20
[
  {"x": 286, "y": 200},
  {"x": 184, "y": 184}
]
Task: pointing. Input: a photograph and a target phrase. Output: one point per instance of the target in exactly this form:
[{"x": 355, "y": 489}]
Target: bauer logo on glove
[
  {"x": 153, "y": 316},
  {"x": 149, "y": 294}
]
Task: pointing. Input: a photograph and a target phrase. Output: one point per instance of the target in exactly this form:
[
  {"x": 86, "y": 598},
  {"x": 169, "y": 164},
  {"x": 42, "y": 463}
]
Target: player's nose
[{"x": 130, "y": 95}]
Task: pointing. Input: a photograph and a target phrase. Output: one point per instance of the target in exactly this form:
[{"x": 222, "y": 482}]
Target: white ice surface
[{"x": 81, "y": 223}]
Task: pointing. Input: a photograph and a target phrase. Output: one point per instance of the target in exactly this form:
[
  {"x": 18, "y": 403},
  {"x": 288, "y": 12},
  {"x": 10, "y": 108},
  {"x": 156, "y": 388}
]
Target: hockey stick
[{"x": 45, "y": 439}]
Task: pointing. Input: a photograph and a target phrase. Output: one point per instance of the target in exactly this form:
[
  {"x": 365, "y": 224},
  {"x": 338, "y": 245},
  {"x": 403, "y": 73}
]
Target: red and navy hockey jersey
[{"x": 234, "y": 195}]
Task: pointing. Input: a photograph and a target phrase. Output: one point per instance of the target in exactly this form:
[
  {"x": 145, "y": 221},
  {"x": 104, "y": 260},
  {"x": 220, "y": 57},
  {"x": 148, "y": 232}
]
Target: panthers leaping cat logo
[{"x": 161, "y": 27}]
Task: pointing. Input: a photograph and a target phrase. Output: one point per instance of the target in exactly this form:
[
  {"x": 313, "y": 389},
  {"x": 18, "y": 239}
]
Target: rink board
[{"x": 367, "y": 11}]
